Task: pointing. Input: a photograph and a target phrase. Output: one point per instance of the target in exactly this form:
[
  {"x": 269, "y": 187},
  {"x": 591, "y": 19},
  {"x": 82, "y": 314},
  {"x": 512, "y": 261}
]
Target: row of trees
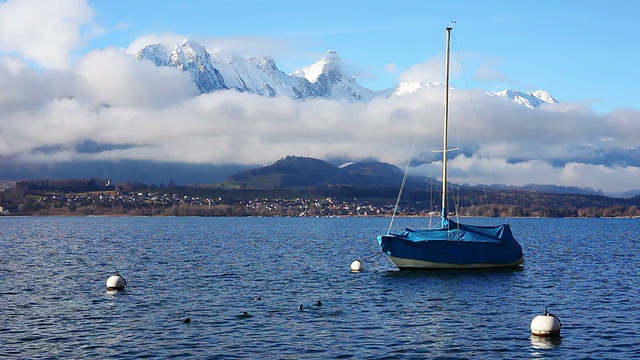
[
  {"x": 25, "y": 198},
  {"x": 240, "y": 210},
  {"x": 567, "y": 211}
]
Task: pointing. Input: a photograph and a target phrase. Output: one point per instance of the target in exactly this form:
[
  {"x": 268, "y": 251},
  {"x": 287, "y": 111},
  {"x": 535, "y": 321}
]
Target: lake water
[{"x": 54, "y": 303}]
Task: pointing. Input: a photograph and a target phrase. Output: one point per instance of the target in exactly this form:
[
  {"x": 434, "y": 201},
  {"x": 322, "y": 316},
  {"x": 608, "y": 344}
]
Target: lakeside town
[
  {"x": 165, "y": 204},
  {"x": 99, "y": 197}
]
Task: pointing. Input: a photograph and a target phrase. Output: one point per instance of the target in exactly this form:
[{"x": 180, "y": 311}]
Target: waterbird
[
  {"x": 319, "y": 303},
  {"x": 187, "y": 320},
  {"x": 300, "y": 307}
]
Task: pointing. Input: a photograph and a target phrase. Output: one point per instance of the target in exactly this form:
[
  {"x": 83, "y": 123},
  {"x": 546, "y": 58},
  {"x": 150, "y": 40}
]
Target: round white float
[
  {"x": 357, "y": 266},
  {"x": 116, "y": 282},
  {"x": 546, "y": 325}
]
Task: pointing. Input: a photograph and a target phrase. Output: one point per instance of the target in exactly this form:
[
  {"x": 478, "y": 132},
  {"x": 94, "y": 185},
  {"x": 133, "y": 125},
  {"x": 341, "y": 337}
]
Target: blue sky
[{"x": 579, "y": 51}]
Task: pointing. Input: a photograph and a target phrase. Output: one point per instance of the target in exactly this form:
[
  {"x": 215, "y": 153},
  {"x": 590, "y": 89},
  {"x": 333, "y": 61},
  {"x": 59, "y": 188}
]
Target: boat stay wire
[
  {"x": 425, "y": 107},
  {"x": 476, "y": 117}
]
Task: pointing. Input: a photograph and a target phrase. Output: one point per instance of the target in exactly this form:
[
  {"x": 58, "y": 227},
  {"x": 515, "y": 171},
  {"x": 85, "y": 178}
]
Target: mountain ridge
[
  {"x": 325, "y": 78},
  {"x": 531, "y": 100},
  {"x": 305, "y": 172}
]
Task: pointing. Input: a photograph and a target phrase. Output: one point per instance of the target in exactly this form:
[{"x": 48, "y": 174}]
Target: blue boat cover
[
  {"x": 455, "y": 244},
  {"x": 461, "y": 232}
]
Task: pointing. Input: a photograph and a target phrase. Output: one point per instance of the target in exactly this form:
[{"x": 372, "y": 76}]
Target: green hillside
[{"x": 296, "y": 172}]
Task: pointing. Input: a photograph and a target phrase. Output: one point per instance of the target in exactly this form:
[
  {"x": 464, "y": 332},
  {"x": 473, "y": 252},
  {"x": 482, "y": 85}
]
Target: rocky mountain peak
[
  {"x": 530, "y": 100},
  {"x": 325, "y": 78}
]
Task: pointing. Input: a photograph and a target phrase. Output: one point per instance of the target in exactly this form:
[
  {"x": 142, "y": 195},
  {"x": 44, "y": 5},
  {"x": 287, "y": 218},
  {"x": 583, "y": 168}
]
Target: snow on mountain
[
  {"x": 331, "y": 61},
  {"x": 407, "y": 87},
  {"x": 531, "y": 100},
  {"x": 328, "y": 75},
  {"x": 259, "y": 75},
  {"x": 195, "y": 60}
]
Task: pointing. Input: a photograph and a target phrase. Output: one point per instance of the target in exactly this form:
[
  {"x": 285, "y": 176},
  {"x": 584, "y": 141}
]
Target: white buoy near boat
[
  {"x": 357, "y": 266},
  {"x": 116, "y": 282},
  {"x": 546, "y": 325}
]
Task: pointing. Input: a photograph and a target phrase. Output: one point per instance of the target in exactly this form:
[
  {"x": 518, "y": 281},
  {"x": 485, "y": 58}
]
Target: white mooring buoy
[
  {"x": 546, "y": 325},
  {"x": 116, "y": 282},
  {"x": 357, "y": 266}
]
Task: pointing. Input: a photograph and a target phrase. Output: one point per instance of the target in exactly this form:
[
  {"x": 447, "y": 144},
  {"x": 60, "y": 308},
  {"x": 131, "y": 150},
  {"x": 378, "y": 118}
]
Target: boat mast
[{"x": 445, "y": 211}]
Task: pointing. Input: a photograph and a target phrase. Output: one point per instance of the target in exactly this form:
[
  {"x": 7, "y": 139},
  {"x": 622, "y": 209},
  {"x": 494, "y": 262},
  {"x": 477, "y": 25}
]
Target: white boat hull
[{"x": 403, "y": 263}]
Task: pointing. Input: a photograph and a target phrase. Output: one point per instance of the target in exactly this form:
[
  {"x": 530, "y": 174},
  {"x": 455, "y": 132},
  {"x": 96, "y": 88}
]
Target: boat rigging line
[
  {"x": 373, "y": 258},
  {"x": 476, "y": 117},
  {"x": 425, "y": 107}
]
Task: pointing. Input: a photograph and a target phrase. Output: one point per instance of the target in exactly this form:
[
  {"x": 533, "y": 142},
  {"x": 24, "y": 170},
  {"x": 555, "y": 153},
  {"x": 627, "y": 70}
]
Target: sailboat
[{"x": 452, "y": 245}]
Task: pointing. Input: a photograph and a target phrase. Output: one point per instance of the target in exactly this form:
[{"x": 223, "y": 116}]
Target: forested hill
[{"x": 302, "y": 172}]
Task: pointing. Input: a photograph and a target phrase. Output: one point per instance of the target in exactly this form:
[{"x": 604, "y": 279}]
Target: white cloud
[
  {"x": 486, "y": 73},
  {"x": 430, "y": 71},
  {"x": 475, "y": 170},
  {"x": 17, "y": 84},
  {"x": 155, "y": 114},
  {"x": 45, "y": 32},
  {"x": 391, "y": 68},
  {"x": 163, "y": 38},
  {"x": 115, "y": 78}
]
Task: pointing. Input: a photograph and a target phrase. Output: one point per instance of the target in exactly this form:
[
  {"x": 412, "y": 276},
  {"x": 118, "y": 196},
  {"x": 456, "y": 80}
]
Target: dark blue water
[{"x": 54, "y": 304}]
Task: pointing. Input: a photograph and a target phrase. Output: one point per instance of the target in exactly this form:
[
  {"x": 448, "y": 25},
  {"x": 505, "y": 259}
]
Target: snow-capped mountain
[
  {"x": 259, "y": 75},
  {"x": 327, "y": 75},
  {"x": 407, "y": 87},
  {"x": 196, "y": 60},
  {"x": 530, "y": 100}
]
